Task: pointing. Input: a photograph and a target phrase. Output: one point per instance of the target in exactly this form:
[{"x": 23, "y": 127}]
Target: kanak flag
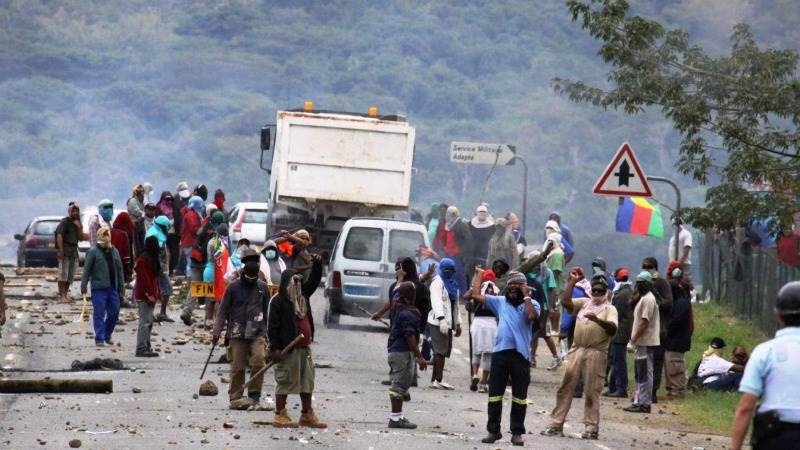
[{"x": 637, "y": 216}]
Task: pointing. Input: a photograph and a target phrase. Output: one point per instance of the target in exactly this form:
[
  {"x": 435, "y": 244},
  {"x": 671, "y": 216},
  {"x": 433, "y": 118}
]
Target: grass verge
[{"x": 708, "y": 410}]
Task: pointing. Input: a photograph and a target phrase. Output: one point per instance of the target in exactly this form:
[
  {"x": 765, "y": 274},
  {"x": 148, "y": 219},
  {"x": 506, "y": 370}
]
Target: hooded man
[
  {"x": 180, "y": 199},
  {"x": 198, "y": 257},
  {"x": 219, "y": 201},
  {"x": 443, "y": 318},
  {"x": 502, "y": 244},
  {"x": 556, "y": 260},
  {"x": 272, "y": 266},
  {"x": 135, "y": 206},
  {"x": 289, "y": 316},
  {"x": 166, "y": 207},
  {"x": 566, "y": 236},
  {"x": 68, "y": 233},
  {"x": 160, "y": 230},
  {"x": 542, "y": 275},
  {"x": 432, "y": 222},
  {"x": 201, "y": 191},
  {"x": 103, "y": 267},
  {"x": 621, "y": 300},
  {"x": 663, "y": 294},
  {"x": 596, "y": 323},
  {"x": 192, "y": 219},
  {"x": 121, "y": 233},
  {"x": 458, "y": 244},
  {"x": 481, "y": 229},
  {"x": 511, "y": 356},
  {"x": 243, "y": 310},
  {"x": 105, "y": 213}
]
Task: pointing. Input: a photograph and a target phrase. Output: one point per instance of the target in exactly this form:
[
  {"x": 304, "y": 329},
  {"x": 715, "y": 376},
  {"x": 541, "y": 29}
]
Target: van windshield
[
  {"x": 404, "y": 243},
  {"x": 364, "y": 244}
]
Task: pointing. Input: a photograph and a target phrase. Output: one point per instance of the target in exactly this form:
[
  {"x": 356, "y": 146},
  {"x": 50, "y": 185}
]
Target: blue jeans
[
  {"x": 105, "y": 303},
  {"x": 618, "y": 380},
  {"x": 728, "y": 382},
  {"x": 185, "y": 260}
]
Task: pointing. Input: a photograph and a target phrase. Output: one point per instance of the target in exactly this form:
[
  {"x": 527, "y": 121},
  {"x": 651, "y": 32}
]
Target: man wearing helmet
[{"x": 770, "y": 377}]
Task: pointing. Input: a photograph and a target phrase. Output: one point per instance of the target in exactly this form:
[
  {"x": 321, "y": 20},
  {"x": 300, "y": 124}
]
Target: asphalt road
[{"x": 349, "y": 395}]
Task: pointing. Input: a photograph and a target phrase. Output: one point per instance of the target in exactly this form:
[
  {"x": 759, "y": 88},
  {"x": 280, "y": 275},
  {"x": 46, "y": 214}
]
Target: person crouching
[
  {"x": 403, "y": 350},
  {"x": 243, "y": 310}
]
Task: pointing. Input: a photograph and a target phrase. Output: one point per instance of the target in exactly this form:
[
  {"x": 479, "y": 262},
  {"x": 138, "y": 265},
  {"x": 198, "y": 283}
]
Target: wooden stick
[
  {"x": 369, "y": 314},
  {"x": 285, "y": 350},
  {"x": 56, "y": 386}
]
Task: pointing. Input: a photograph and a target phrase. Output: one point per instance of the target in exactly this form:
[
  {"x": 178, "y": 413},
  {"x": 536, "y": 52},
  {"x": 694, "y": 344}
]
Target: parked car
[
  {"x": 37, "y": 245},
  {"x": 361, "y": 266},
  {"x": 248, "y": 220},
  {"x": 86, "y": 216}
]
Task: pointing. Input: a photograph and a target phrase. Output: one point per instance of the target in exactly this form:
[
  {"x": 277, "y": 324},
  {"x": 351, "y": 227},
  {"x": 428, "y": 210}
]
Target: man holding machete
[{"x": 289, "y": 314}]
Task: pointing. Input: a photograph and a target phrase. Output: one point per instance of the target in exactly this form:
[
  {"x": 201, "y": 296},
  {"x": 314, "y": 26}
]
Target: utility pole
[
  {"x": 524, "y": 190},
  {"x": 676, "y": 226}
]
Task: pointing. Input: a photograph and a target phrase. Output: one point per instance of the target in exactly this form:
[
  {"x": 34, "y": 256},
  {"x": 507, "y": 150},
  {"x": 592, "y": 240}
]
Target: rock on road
[{"x": 152, "y": 405}]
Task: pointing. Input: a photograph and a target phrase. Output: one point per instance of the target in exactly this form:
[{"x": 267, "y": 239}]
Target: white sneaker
[
  {"x": 435, "y": 385},
  {"x": 554, "y": 363},
  {"x": 483, "y": 388},
  {"x": 446, "y": 386}
]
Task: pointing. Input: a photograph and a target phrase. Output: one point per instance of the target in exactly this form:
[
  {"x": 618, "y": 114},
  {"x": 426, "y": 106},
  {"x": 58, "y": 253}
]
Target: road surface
[{"x": 349, "y": 395}]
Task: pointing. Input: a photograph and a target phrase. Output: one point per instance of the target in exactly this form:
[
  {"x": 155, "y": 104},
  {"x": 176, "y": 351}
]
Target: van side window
[
  {"x": 404, "y": 243},
  {"x": 364, "y": 244}
]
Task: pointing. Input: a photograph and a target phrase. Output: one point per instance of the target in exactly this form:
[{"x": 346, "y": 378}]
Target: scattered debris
[
  {"x": 98, "y": 364},
  {"x": 208, "y": 389},
  {"x": 136, "y": 390},
  {"x": 75, "y": 443}
]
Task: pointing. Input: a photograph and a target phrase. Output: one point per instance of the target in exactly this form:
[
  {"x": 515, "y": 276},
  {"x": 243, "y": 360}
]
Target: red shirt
[
  {"x": 191, "y": 223},
  {"x": 450, "y": 245},
  {"x": 146, "y": 281},
  {"x": 119, "y": 239},
  {"x": 788, "y": 251},
  {"x": 303, "y": 326}
]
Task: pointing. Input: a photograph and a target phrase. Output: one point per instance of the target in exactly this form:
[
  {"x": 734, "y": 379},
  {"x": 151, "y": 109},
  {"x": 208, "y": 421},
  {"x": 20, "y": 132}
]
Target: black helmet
[{"x": 789, "y": 299}]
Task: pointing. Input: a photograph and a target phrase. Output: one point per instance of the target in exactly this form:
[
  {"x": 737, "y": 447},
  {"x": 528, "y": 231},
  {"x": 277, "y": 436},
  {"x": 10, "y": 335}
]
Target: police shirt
[{"x": 771, "y": 374}]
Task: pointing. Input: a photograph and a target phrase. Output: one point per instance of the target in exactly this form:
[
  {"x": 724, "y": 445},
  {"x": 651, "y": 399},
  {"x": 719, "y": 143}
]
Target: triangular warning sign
[{"x": 623, "y": 177}]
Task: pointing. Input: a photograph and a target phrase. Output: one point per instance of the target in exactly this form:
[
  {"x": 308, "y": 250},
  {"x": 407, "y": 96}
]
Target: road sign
[
  {"x": 480, "y": 153},
  {"x": 623, "y": 177},
  {"x": 200, "y": 289}
]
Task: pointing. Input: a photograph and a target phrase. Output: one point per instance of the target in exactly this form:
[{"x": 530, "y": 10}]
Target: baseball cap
[{"x": 717, "y": 343}]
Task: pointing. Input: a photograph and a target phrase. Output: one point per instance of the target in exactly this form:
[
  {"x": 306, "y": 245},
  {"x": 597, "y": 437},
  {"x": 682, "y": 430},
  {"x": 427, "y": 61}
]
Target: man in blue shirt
[
  {"x": 771, "y": 376},
  {"x": 516, "y": 312}
]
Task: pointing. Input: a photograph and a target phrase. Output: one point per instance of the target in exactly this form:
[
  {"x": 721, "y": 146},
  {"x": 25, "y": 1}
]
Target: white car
[{"x": 248, "y": 220}]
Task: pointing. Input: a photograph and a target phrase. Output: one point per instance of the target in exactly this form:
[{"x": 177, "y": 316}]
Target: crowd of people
[{"x": 514, "y": 295}]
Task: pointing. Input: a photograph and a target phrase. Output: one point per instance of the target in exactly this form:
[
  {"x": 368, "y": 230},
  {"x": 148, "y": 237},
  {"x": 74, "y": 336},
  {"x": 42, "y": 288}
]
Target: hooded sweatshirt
[
  {"x": 271, "y": 268},
  {"x": 192, "y": 219},
  {"x": 281, "y": 317}
]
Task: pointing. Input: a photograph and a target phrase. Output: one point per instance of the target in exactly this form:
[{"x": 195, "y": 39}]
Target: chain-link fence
[{"x": 744, "y": 278}]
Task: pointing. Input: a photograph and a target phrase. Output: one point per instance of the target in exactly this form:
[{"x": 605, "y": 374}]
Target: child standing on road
[{"x": 403, "y": 350}]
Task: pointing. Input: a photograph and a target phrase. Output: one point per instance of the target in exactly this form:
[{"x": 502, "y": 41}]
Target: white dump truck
[{"x": 330, "y": 166}]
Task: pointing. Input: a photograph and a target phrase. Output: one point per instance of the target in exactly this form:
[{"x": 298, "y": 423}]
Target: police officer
[{"x": 770, "y": 376}]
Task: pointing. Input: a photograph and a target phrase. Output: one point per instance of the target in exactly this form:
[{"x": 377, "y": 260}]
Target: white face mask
[{"x": 270, "y": 254}]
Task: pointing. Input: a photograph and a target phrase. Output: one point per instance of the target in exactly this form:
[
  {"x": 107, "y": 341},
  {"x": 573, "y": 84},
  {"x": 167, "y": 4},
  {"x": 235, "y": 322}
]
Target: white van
[{"x": 361, "y": 267}]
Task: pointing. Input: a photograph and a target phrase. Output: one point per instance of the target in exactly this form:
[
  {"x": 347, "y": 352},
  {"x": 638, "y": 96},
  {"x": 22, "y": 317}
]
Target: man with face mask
[
  {"x": 644, "y": 340},
  {"x": 243, "y": 309},
  {"x": 515, "y": 311},
  {"x": 289, "y": 315},
  {"x": 444, "y": 318},
  {"x": 103, "y": 267},
  {"x": 272, "y": 266},
  {"x": 105, "y": 212},
  {"x": 481, "y": 227},
  {"x": 596, "y": 323}
]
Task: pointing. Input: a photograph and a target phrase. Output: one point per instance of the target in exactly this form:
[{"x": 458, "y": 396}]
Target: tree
[{"x": 738, "y": 114}]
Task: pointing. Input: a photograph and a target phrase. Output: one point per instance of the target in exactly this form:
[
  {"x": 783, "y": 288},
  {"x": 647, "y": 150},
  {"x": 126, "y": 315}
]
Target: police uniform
[{"x": 771, "y": 375}]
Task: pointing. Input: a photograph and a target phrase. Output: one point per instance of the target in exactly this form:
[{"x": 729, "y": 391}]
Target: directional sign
[
  {"x": 478, "y": 153},
  {"x": 623, "y": 177}
]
